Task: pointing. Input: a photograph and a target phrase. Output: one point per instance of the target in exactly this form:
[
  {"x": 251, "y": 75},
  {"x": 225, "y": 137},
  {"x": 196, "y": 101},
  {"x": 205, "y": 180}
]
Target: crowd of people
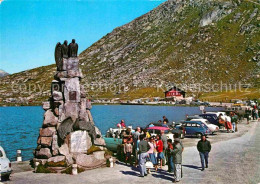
[{"x": 158, "y": 151}]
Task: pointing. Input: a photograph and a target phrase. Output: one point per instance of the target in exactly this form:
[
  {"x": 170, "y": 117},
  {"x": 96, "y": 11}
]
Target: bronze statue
[
  {"x": 73, "y": 49},
  {"x": 64, "y": 48},
  {"x": 58, "y": 56}
]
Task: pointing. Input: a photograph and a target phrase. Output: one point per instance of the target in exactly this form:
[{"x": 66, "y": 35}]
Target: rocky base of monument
[{"x": 68, "y": 134}]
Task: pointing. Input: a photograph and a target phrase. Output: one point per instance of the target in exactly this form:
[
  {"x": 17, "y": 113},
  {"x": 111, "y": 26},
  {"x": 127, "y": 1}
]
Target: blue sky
[{"x": 30, "y": 29}]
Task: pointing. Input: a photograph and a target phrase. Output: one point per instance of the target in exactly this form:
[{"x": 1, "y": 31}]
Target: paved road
[{"x": 233, "y": 161}]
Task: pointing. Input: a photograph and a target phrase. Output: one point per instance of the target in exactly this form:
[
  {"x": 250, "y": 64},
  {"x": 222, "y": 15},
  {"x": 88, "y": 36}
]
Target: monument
[{"x": 68, "y": 130}]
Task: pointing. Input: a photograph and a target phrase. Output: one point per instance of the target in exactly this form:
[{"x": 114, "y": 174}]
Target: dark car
[
  {"x": 195, "y": 128},
  {"x": 193, "y": 117},
  {"x": 212, "y": 118}
]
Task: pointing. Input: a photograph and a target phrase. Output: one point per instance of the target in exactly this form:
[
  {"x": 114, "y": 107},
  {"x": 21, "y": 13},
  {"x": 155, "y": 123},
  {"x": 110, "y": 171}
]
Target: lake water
[{"x": 19, "y": 126}]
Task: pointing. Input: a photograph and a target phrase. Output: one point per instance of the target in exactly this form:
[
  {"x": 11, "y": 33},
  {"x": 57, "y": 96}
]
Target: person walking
[
  {"x": 177, "y": 159},
  {"x": 136, "y": 136},
  {"x": 204, "y": 147},
  {"x": 234, "y": 119},
  {"x": 143, "y": 149},
  {"x": 170, "y": 156}
]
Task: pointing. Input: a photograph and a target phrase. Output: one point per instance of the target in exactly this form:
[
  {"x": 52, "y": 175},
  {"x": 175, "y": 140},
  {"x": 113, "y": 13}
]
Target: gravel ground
[{"x": 235, "y": 158}]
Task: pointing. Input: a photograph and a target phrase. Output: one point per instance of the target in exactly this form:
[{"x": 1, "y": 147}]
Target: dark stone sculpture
[
  {"x": 65, "y": 49},
  {"x": 73, "y": 49},
  {"x": 58, "y": 56}
]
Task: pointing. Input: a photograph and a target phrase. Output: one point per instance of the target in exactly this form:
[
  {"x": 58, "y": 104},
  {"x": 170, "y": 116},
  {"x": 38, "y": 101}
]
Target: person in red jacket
[{"x": 159, "y": 148}]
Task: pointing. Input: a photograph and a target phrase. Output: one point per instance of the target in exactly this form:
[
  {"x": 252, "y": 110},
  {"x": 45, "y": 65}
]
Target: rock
[
  {"x": 69, "y": 159},
  {"x": 80, "y": 142},
  {"x": 60, "y": 74},
  {"x": 71, "y": 110},
  {"x": 99, "y": 142},
  {"x": 86, "y": 160},
  {"x": 57, "y": 96},
  {"x": 100, "y": 155},
  {"x": 56, "y": 159},
  {"x": 64, "y": 61},
  {"x": 64, "y": 149},
  {"x": 43, "y": 153},
  {"x": 47, "y": 132},
  {"x": 46, "y": 105},
  {"x": 83, "y": 125},
  {"x": 65, "y": 128},
  {"x": 82, "y": 109},
  {"x": 72, "y": 64},
  {"x": 45, "y": 141},
  {"x": 72, "y": 90},
  {"x": 74, "y": 73},
  {"x": 42, "y": 161},
  {"x": 55, "y": 145},
  {"x": 90, "y": 116},
  {"x": 49, "y": 119}
]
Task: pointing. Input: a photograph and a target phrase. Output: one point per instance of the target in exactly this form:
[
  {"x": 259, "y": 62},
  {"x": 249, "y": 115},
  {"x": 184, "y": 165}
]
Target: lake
[{"x": 19, "y": 126}]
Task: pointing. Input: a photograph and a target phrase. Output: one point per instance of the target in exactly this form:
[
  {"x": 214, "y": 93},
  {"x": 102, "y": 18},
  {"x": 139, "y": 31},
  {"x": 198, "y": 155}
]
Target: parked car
[
  {"x": 213, "y": 128},
  {"x": 195, "y": 128},
  {"x": 169, "y": 132},
  {"x": 193, "y": 117},
  {"x": 5, "y": 165},
  {"x": 196, "y": 102},
  {"x": 212, "y": 118}
]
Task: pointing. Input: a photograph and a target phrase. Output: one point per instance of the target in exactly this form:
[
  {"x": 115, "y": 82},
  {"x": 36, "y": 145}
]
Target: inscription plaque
[{"x": 72, "y": 95}]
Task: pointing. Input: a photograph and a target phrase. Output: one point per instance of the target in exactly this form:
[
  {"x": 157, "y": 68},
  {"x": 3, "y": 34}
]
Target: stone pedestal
[{"x": 68, "y": 129}]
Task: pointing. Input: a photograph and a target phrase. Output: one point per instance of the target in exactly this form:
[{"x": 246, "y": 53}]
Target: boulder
[
  {"x": 90, "y": 116},
  {"x": 57, "y": 96},
  {"x": 82, "y": 125},
  {"x": 72, "y": 90},
  {"x": 100, "y": 155},
  {"x": 86, "y": 160},
  {"x": 45, "y": 141},
  {"x": 69, "y": 159},
  {"x": 72, "y": 63},
  {"x": 44, "y": 153},
  {"x": 46, "y": 105},
  {"x": 42, "y": 161},
  {"x": 49, "y": 119},
  {"x": 55, "y": 146},
  {"x": 47, "y": 132},
  {"x": 65, "y": 128},
  {"x": 60, "y": 74},
  {"x": 80, "y": 142},
  {"x": 82, "y": 108},
  {"x": 99, "y": 142},
  {"x": 56, "y": 159},
  {"x": 71, "y": 110},
  {"x": 74, "y": 73},
  {"x": 64, "y": 149}
]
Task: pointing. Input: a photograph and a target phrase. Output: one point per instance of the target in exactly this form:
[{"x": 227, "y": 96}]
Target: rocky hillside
[
  {"x": 181, "y": 41},
  {"x": 3, "y": 73}
]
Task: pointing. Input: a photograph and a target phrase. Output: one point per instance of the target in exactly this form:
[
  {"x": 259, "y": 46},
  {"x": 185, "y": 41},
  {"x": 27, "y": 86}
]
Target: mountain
[
  {"x": 3, "y": 73},
  {"x": 198, "y": 44}
]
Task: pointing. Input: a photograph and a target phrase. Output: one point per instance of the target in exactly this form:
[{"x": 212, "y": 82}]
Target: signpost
[{"x": 202, "y": 109}]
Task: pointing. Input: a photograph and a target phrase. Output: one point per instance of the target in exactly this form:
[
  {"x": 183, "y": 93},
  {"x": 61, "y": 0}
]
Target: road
[{"x": 231, "y": 161}]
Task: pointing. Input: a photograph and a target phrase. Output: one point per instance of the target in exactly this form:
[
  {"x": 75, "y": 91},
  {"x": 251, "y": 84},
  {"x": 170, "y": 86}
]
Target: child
[{"x": 128, "y": 149}]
